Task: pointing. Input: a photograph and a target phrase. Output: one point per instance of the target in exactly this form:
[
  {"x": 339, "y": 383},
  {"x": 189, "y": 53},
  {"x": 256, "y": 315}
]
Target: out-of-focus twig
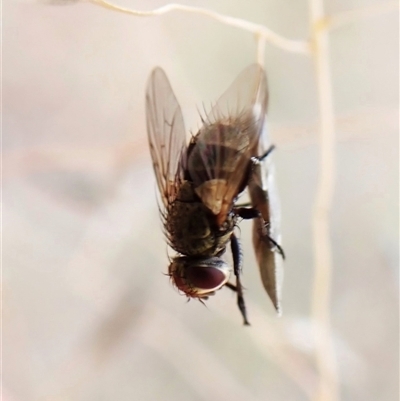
[
  {"x": 260, "y": 50},
  {"x": 325, "y": 354},
  {"x": 294, "y": 46},
  {"x": 348, "y": 17},
  {"x": 207, "y": 375},
  {"x": 271, "y": 341}
]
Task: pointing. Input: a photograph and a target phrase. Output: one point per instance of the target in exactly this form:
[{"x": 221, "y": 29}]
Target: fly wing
[
  {"x": 166, "y": 134},
  {"x": 219, "y": 155},
  {"x": 264, "y": 198}
]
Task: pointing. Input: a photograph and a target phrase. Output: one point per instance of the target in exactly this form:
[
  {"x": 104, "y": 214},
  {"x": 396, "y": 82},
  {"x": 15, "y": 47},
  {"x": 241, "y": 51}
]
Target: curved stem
[{"x": 294, "y": 46}]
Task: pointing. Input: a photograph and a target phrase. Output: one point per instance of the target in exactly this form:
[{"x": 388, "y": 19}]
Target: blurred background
[{"x": 88, "y": 311}]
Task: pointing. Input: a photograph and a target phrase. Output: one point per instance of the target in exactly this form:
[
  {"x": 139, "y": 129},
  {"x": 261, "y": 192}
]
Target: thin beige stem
[
  {"x": 325, "y": 354},
  {"x": 294, "y": 46},
  {"x": 348, "y": 17}
]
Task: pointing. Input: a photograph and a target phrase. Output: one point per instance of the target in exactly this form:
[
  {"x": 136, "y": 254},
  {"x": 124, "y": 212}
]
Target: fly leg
[
  {"x": 231, "y": 286},
  {"x": 247, "y": 213},
  {"x": 254, "y": 161},
  {"x": 237, "y": 268},
  {"x": 277, "y": 246},
  {"x": 266, "y": 153}
]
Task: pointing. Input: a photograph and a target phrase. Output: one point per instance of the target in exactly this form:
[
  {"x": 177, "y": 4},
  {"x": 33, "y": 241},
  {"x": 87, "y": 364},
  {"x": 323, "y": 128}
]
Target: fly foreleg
[{"x": 237, "y": 268}]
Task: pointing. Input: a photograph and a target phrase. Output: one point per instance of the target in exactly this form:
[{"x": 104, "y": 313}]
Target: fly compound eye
[
  {"x": 199, "y": 277},
  {"x": 205, "y": 278}
]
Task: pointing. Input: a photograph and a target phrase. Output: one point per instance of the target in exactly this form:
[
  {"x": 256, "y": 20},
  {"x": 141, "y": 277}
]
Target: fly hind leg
[
  {"x": 266, "y": 153},
  {"x": 247, "y": 213},
  {"x": 237, "y": 268}
]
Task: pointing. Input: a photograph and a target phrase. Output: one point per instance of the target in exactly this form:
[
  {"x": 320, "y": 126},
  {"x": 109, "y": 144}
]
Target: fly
[{"x": 200, "y": 183}]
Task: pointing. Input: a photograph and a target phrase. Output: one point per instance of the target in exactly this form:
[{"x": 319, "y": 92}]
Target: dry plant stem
[
  {"x": 294, "y": 46},
  {"x": 325, "y": 355}
]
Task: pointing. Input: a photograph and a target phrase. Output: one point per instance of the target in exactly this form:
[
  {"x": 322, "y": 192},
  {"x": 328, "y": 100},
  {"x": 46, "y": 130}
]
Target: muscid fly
[{"x": 200, "y": 183}]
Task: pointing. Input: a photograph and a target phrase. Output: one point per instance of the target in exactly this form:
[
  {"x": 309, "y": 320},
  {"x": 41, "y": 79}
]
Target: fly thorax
[
  {"x": 225, "y": 231},
  {"x": 189, "y": 227},
  {"x": 212, "y": 193},
  {"x": 186, "y": 192}
]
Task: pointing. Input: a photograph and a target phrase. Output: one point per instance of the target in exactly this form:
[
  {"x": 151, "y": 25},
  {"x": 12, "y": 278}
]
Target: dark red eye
[
  {"x": 198, "y": 278},
  {"x": 206, "y": 278}
]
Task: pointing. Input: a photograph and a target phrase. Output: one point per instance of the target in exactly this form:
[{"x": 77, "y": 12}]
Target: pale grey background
[{"x": 88, "y": 314}]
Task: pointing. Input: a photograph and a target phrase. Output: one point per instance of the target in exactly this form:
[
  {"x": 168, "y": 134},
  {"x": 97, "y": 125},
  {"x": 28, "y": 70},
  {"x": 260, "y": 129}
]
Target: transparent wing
[
  {"x": 247, "y": 95},
  {"x": 264, "y": 198},
  {"x": 166, "y": 134},
  {"x": 220, "y": 153}
]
